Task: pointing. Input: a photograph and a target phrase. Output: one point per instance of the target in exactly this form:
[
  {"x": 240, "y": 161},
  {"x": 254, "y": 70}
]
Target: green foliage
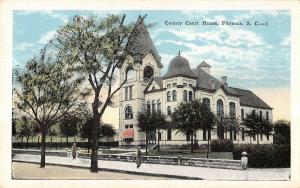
[
  {"x": 256, "y": 125},
  {"x": 25, "y": 127},
  {"x": 69, "y": 125},
  {"x": 221, "y": 145},
  {"x": 282, "y": 132},
  {"x": 265, "y": 156},
  {"x": 224, "y": 124}
]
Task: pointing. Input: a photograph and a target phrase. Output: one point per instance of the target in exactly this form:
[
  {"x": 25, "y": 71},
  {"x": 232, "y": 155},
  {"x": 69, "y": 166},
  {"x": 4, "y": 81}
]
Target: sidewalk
[{"x": 180, "y": 172}]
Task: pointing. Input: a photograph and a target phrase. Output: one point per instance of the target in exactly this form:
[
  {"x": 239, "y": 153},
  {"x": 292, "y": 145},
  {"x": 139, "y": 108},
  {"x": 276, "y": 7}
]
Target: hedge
[
  {"x": 63, "y": 144},
  {"x": 265, "y": 156},
  {"x": 221, "y": 145}
]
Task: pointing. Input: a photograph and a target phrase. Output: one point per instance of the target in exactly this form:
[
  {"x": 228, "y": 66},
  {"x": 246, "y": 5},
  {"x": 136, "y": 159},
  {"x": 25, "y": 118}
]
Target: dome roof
[{"x": 179, "y": 66}]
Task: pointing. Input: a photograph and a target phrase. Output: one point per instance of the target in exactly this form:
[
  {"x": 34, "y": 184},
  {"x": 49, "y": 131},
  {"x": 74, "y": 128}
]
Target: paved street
[{"x": 165, "y": 170}]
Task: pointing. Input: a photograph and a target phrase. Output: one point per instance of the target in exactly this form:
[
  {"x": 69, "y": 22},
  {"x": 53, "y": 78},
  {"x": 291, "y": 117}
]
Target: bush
[
  {"x": 221, "y": 145},
  {"x": 265, "y": 156}
]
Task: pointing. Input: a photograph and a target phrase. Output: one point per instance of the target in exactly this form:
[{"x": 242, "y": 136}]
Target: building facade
[{"x": 147, "y": 88}]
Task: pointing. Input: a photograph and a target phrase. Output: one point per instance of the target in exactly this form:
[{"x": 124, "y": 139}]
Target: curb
[{"x": 116, "y": 170}]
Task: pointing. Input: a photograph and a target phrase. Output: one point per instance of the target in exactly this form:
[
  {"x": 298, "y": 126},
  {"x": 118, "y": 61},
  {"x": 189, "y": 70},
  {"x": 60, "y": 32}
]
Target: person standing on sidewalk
[
  {"x": 138, "y": 157},
  {"x": 74, "y": 151}
]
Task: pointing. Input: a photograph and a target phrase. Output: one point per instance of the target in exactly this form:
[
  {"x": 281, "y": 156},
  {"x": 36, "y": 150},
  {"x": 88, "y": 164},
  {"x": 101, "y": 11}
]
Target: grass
[{"x": 196, "y": 154}]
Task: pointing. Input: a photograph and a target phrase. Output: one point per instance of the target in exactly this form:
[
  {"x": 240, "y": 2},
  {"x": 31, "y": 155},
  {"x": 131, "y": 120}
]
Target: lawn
[{"x": 196, "y": 154}]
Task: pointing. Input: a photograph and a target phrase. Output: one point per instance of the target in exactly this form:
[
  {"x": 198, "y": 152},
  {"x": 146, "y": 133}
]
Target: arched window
[
  {"x": 220, "y": 108},
  {"x": 260, "y": 114},
  {"x": 206, "y": 102},
  {"x": 128, "y": 112},
  {"x": 169, "y": 110},
  {"x": 153, "y": 106},
  {"x": 174, "y": 95},
  {"x": 169, "y": 96},
  {"x": 148, "y": 72},
  {"x": 148, "y": 106},
  {"x": 232, "y": 110},
  {"x": 130, "y": 73},
  {"x": 190, "y": 95},
  {"x": 185, "y": 95},
  {"x": 158, "y": 106}
]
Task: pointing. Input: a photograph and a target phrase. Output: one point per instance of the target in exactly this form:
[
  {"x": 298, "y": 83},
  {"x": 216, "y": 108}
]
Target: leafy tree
[
  {"x": 107, "y": 130},
  {"x": 25, "y": 128},
  {"x": 190, "y": 117},
  {"x": 256, "y": 125},
  {"x": 159, "y": 122},
  {"x": 98, "y": 48},
  {"x": 69, "y": 126},
  {"x": 86, "y": 130},
  {"x": 47, "y": 90},
  {"x": 52, "y": 132},
  {"x": 146, "y": 124},
  {"x": 282, "y": 132},
  {"x": 225, "y": 124}
]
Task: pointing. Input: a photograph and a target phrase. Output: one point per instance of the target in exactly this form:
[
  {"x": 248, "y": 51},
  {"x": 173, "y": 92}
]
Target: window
[
  {"x": 185, "y": 84},
  {"x": 169, "y": 134},
  {"x": 128, "y": 112},
  {"x": 148, "y": 106},
  {"x": 174, "y": 95},
  {"x": 153, "y": 87},
  {"x": 184, "y": 95},
  {"x": 131, "y": 126},
  {"x": 130, "y": 73},
  {"x": 260, "y": 114},
  {"x": 230, "y": 133},
  {"x": 128, "y": 93},
  {"x": 153, "y": 106},
  {"x": 190, "y": 85},
  {"x": 242, "y": 114},
  {"x": 220, "y": 108},
  {"x": 243, "y": 134},
  {"x": 168, "y": 85},
  {"x": 232, "y": 110},
  {"x": 267, "y": 116},
  {"x": 169, "y": 96},
  {"x": 190, "y": 95},
  {"x": 174, "y": 84},
  {"x": 169, "y": 110},
  {"x": 234, "y": 134},
  {"x": 148, "y": 72},
  {"x": 126, "y": 126},
  {"x": 204, "y": 134},
  {"x": 158, "y": 106},
  {"x": 206, "y": 102}
]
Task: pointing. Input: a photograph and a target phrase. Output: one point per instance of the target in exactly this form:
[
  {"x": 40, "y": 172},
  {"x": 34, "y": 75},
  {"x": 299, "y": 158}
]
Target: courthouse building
[{"x": 147, "y": 88}]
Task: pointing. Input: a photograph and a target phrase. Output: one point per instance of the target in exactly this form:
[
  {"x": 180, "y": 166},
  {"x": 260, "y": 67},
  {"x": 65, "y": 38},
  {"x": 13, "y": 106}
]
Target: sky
[{"x": 255, "y": 57}]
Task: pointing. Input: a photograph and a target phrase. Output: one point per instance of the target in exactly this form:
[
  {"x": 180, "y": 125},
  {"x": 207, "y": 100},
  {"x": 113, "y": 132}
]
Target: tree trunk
[
  {"x": 39, "y": 141},
  {"x": 67, "y": 141},
  {"x": 207, "y": 148},
  {"x": 158, "y": 149},
  {"x": 192, "y": 143},
  {"x": 43, "y": 146},
  {"x": 257, "y": 139},
  {"x": 22, "y": 142},
  {"x": 74, "y": 138},
  {"x": 88, "y": 145},
  {"x": 51, "y": 142},
  {"x": 94, "y": 155},
  {"x": 146, "y": 143},
  {"x": 27, "y": 139}
]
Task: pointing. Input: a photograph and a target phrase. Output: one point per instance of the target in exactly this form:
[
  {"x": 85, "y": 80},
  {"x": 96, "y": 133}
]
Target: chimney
[{"x": 224, "y": 80}]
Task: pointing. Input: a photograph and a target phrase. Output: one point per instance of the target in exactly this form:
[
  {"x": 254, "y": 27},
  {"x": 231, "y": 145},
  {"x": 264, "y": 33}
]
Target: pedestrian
[
  {"x": 244, "y": 160},
  {"x": 138, "y": 157},
  {"x": 74, "y": 151}
]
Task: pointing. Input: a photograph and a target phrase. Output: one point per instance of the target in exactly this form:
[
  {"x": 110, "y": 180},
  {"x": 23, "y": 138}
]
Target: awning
[{"x": 128, "y": 133}]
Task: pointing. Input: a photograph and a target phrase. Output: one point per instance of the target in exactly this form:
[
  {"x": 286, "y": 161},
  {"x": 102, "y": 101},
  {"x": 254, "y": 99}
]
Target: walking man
[
  {"x": 74, "y": 151},
  {"x": 138, "y": 157}
]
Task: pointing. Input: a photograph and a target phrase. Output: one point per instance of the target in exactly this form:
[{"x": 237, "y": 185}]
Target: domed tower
[
  {"x": 142, "y": 63},
  {"x": 179, "y": 82}
]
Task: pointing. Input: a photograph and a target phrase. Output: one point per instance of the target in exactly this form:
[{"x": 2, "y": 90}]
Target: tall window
[
  {"x": 232, "y": 110},
  {"x": 148, "y": 106},
  {"x": 128, "y": 93},
  {"x": 220, "y": 108},
  {"x": 242, "y": 114},
  {"x": 169, "y": 96},
  {"x": 206, "y": 102},
  {"x": 128, "y": 112},
  {"x": 190, "y": 95},
  {"x": 169, "y": 110},
  {"x": 169, "y": 134},
  {"x": 260, "y": 114},
  {"x": 174, "y": 95},
  {"x": 158, "y": 106},
  {"x": 185, "y": 95},
  {"x": 148, "y": 72},
  {"x": 153, "y": 106},
  {"x": 130, "y": 73},
  {"x": 267, "y": 116},
  {"x": 243, "y": 134}
]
